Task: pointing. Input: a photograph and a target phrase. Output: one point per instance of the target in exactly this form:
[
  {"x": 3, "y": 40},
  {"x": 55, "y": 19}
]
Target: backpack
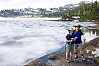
[{"x": 79, "y": 32}]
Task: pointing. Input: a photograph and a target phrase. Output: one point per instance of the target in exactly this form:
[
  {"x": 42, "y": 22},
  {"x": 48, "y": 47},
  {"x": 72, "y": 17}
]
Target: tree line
[
  {"x": 9, "y": 13},
  {"x": 88, "y": 11}
]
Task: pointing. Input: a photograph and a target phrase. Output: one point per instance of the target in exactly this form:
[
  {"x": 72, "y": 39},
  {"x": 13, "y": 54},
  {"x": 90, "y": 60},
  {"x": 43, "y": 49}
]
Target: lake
[{"x": 31, "y": 38}]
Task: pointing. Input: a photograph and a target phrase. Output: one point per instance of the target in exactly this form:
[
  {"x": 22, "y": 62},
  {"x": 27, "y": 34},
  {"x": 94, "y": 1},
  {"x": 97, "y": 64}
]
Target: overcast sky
[{"x": 17, "y": 4}]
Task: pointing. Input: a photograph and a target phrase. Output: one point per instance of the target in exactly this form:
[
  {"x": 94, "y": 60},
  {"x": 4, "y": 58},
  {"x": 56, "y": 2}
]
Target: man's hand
[
  {"x": 75, "y": 38},
  {"x": 84, "y": 39}
]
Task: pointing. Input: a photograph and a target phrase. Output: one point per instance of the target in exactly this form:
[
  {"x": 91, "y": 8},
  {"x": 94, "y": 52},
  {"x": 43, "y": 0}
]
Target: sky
[{"x": 18, "y": 4}]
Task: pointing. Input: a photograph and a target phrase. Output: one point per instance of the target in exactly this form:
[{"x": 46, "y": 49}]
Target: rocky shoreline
[
  {"x": 96, "y": 26},
  {"x": 58, "y": 59}
]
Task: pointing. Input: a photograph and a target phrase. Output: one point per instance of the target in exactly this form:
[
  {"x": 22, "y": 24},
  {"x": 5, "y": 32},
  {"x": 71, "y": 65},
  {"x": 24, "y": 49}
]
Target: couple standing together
[{"x": 74, "y": 42}]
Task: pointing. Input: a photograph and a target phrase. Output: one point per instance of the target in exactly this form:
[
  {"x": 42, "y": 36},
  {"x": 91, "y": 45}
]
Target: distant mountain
[
  {"x": 80, "y": 3},
  {"x": 71, "y": 6}
]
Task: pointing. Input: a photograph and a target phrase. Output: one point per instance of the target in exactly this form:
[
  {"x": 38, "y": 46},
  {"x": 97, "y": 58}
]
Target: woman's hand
[{"x": 71, "y": 40}]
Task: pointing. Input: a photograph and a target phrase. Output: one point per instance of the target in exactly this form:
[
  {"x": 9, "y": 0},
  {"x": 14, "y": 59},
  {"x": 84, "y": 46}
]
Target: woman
[{"x": 70, "y": 38}]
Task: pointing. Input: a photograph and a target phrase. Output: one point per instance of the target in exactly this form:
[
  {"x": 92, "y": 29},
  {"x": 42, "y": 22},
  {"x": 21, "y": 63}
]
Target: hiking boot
[
  {"x": 76, "y": 57},
  {"x": 71, "y": 60},
  {"x": 83, "y": 59},
  {"x": 67, "y": 61}
]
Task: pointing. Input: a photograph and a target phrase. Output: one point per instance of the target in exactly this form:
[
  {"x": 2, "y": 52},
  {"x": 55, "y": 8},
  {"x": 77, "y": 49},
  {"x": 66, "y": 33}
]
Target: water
[{"x": 22, "y": 39}]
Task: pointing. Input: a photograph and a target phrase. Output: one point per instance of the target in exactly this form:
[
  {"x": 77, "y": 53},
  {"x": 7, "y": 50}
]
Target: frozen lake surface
[{"x": 26, "y": 38}]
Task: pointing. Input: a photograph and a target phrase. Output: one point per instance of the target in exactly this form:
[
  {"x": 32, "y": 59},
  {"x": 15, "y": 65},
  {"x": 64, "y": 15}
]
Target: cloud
[
  {"x": 9, "y": 4},
  {"x": 4, "y": 0}
]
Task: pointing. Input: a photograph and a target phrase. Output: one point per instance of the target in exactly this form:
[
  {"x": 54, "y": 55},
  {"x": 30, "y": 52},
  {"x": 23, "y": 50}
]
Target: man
[
  {"x": 78, "y": 43},
  {"x": 70, "y": 38}
]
